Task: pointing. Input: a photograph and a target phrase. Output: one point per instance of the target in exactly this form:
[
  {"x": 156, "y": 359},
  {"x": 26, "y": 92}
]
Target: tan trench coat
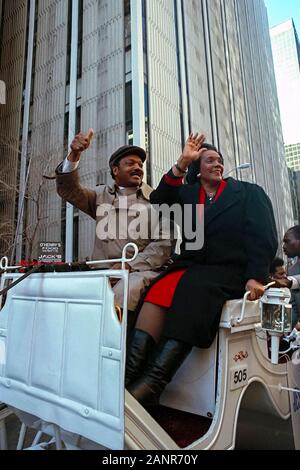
[{"x": 106, "y": 206}]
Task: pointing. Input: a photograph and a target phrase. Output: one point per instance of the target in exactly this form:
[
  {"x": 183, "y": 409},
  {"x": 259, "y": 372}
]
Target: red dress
[{"x": 162, "y": 292}]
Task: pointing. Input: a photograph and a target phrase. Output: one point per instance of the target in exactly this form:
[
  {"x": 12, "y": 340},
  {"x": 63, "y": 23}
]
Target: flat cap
[{"x": 125, "y": 151}]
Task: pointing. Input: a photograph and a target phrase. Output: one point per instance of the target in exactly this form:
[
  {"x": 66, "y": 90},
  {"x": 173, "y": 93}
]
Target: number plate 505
[{"x": 239, "y": 377}]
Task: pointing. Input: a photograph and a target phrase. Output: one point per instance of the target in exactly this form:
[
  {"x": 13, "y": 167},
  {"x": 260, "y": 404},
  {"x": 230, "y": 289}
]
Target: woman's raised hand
[{"x": 192, "y": 149}]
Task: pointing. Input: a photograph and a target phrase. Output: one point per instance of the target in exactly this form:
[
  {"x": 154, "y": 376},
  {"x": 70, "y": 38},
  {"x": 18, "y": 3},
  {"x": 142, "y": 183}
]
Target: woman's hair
[{"x": 194, "y": 168}]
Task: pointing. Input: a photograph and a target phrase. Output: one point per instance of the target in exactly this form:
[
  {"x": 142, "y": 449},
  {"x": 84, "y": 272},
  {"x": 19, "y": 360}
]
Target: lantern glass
[
  {"x": 276, "y": 317},
  {"x": 287, "y": 319}
]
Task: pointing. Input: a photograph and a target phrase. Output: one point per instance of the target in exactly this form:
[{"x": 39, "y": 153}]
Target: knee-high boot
[
  {"x": 140, "y": 346},
  {"x": 167, "y": 358},
  {"x": 131, "y": 321}
]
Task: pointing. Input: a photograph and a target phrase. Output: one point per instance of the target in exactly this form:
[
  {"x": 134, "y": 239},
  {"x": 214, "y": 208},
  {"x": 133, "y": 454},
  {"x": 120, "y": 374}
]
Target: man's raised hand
[{"x": 80, "y": 143}]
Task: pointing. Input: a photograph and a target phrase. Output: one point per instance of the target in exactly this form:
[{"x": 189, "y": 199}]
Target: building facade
[{"x": 140, "y": 71}]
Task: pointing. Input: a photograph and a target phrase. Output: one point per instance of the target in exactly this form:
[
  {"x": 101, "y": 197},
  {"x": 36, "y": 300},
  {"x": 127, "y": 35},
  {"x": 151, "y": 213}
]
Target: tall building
[
  {"x": 286, "y": 54},
  {"x": 141, "y": 71}
]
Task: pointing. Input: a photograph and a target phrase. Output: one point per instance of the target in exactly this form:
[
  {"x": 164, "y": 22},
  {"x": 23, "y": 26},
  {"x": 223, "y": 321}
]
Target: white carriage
[{"x": 62, "y": 364}]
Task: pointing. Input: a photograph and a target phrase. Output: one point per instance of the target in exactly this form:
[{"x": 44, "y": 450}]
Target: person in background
[
  {"x": 277, "y": 269},
  {"x": 291, "y": 247}
]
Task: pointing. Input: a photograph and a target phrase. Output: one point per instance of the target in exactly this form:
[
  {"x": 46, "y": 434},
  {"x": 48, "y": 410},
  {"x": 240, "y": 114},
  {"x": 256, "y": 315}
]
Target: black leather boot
[
  {"x": 167, "y": 358},
  {"x": 140, "y": 346},
  {"x": 131, "y": 321}
]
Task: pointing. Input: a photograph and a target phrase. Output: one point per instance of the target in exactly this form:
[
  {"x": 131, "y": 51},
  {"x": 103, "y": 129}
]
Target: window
[
  {"x": 128, "y": 103},
  {"x": 80, "y": 35},
  {"x": 69, "y": 35},
  {"x": 127, "y": 24},
  {"x": 128, "y": 70},
  {"x": 75, "y": 235}
]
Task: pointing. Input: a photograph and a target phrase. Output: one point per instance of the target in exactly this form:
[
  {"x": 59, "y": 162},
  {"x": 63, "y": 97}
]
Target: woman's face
[{"x": 211, "y": 167}]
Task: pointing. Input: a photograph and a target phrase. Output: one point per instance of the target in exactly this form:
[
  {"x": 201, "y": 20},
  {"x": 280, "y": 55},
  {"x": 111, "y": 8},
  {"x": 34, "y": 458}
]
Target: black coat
[{"x": 240, "y": 241}]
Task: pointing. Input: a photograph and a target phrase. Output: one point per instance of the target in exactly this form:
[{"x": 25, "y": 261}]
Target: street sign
[{"x": 50, "y": 252}]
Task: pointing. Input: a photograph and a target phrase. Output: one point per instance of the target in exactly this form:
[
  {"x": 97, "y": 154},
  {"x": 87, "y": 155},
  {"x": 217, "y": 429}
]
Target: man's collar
[{"x": 145, "y": 190}]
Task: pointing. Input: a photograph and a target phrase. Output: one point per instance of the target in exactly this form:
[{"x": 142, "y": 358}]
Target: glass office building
[
  {"x": 140, "y": 71},
  {"x": 286, "y": 54}
]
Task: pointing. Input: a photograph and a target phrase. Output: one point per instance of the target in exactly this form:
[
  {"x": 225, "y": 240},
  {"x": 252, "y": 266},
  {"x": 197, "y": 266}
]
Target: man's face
[
  {"x": 129, "y": 172},
  {"x": 280, "y": 273},
  {"x": 291, "y": 245}
]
